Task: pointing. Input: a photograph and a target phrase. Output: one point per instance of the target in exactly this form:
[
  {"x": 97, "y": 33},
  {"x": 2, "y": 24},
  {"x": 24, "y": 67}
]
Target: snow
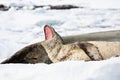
[
  {"x": 68, "y": 70},
  {"x": 21, "y": 25}
]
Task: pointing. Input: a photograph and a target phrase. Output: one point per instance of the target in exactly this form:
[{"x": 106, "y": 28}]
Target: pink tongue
[{"x": 48, "y": 33}]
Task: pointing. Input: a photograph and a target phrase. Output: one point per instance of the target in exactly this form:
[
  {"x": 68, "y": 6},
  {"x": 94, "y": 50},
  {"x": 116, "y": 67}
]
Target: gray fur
[
  {"x": 34, "y": 53},
  {"x": 58, "y": 51},
  {"x": 29, "y": 53}
]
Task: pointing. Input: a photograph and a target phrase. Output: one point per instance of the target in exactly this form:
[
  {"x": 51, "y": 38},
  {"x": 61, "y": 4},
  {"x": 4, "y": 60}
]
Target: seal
[
  {"x": 35, "y": 53},
  {"x": 58, "y": 51}
]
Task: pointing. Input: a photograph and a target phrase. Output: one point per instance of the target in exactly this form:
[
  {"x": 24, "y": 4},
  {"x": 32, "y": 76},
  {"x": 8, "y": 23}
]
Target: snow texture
[
  {"x": 22, "y": 25},
  {"x": 68, "y": 70}
]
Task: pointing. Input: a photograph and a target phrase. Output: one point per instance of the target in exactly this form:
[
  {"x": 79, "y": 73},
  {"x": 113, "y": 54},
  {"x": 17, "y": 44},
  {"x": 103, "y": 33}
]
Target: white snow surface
[
  {"x": 23, "y": 26},
  {"x": 68, "y": 70}
]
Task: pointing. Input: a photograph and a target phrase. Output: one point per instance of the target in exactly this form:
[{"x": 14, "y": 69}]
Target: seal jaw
[{"x": 48, "y": 32}]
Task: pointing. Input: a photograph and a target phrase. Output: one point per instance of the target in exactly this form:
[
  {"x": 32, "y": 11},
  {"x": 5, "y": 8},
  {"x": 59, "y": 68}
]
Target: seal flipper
[{"x": 91, "y": 50}]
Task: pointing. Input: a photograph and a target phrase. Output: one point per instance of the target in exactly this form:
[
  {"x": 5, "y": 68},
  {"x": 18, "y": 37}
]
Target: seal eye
[{"x": 48, "y": 32}]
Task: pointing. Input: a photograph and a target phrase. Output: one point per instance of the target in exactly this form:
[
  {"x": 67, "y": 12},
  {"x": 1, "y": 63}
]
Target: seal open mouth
[{"x": 48, "y": 32}]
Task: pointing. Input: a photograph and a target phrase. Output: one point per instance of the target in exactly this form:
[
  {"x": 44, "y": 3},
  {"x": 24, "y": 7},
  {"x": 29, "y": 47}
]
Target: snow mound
[{"x": 68, "y": 70}]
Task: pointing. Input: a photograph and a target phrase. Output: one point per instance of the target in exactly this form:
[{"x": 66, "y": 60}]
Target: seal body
[
  {"x": 34, "y": 53},
  {"x": 57, "y": 50}
]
